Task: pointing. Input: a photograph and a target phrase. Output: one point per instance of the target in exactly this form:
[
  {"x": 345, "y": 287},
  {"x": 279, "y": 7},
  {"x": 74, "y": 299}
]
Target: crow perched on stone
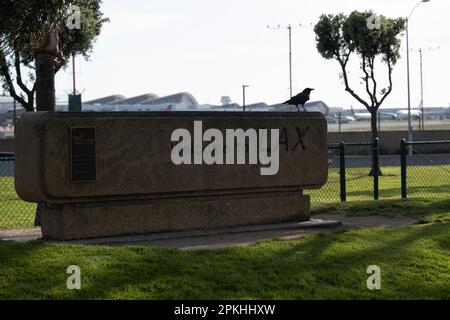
[{"x": 300, "y": 99}]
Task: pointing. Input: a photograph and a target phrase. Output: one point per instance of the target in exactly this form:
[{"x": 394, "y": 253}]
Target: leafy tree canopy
[
  {"x": 25, "y": 28},
  {"x": 339, "y": 37}
]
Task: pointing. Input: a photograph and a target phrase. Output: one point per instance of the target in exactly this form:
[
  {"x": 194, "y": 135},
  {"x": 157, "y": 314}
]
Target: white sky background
[{"x": 210, "y": 48}]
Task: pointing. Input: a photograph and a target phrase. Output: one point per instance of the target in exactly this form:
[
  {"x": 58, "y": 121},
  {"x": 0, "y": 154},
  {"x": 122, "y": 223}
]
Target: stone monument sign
[{"x": 112, "y": 174}]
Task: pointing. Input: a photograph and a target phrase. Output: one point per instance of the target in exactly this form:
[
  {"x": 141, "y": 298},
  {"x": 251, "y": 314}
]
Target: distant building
[
  {"x": 106, "y": 100},
  {"x": 6, "y": 104},
  {"x": 7, "y": 116},
  {"x": 260, "y": 105},
  {"x": 142, "y": 99},
  {"x": 145, "y": 102},
  {"x": 184, "y": 98}
]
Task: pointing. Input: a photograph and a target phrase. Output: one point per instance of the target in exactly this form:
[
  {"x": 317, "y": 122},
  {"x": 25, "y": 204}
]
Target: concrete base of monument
[{"x": 112, "y": 219}]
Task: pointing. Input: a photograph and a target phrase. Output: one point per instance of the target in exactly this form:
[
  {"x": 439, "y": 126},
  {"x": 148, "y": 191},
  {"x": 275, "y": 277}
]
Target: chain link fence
[
  {"x": 358, "y": 171},
  {"x": 14, "y": 213},
  {"x": 421, "y": 171},
  {"x": 426, "y": 170},
  {"x": 331, "y": 191},
  {"x": 350, "y": 175}
]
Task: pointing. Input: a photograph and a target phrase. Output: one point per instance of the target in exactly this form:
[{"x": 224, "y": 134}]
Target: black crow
[{"x": 300, "y": 99}]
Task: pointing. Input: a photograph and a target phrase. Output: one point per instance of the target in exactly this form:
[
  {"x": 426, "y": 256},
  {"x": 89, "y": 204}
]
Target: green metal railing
[{"x": 343, "y": 148}]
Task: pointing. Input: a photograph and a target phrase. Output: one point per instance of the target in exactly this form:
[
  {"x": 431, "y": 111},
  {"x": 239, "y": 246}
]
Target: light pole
[
  {"x": 422, "y": 103},
  {"x": 421, "y": 91},
  {"x": 290, "y": 59},
  {"x": 243, "y": 95},
  {"x": 410, "y": 131},
  {"x": 289, "y": 27}
]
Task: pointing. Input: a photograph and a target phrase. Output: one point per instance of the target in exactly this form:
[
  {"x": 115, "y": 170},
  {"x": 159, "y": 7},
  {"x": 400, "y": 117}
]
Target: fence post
[
  {"x": 342, "y": 171},
  {"x": 404, "y": 164},
  {"x": 376, "y": 169}
]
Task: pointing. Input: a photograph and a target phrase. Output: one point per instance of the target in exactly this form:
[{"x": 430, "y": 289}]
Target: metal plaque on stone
[{"x": 83, "y": 159}]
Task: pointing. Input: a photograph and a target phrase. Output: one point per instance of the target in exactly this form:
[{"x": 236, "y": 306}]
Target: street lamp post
[
  {"x": 410, "y": 133},
  {"x": 410, "y": 130}
]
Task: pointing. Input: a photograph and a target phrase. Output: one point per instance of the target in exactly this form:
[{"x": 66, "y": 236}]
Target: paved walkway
[
  {"x": 20, "y": 235},
  {"x": 218, "y": 239}
]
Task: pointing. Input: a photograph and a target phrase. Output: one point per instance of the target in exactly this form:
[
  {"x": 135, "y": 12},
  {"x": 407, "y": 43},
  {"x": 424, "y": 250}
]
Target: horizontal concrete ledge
[
  {"x": 184, "y": 196},
  {"x": 129, "y": 240}
]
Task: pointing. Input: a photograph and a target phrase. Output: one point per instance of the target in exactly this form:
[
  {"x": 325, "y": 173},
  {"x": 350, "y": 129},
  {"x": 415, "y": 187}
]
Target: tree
[
  {"x": 36, "y": 36},
  {"x": 371, "y": 38}
]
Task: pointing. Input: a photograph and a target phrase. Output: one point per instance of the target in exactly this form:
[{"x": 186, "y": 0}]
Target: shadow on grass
[
  {"x": 414, "y": 262},
  {"x": 441, "y": 191}
]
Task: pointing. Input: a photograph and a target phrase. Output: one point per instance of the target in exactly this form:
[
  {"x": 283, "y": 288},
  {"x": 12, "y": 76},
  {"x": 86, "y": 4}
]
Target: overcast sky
[{"x": 210, "y": 48}]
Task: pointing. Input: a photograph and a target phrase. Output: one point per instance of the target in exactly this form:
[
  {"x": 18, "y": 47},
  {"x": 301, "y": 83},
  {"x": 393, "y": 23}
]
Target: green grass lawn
[{"x": 414, "y": 261}]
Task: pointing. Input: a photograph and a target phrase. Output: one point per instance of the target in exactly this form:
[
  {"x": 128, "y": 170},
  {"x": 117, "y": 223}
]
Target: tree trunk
[
  {"x": 45, "y": 72},
  {"x": 374, "y": 124},
  {"x": 45, "y": 97},
  {"x": 45, "y": 85},
  {"x": 45, "y": 82},
  {"x": 374, "y": 127}
]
